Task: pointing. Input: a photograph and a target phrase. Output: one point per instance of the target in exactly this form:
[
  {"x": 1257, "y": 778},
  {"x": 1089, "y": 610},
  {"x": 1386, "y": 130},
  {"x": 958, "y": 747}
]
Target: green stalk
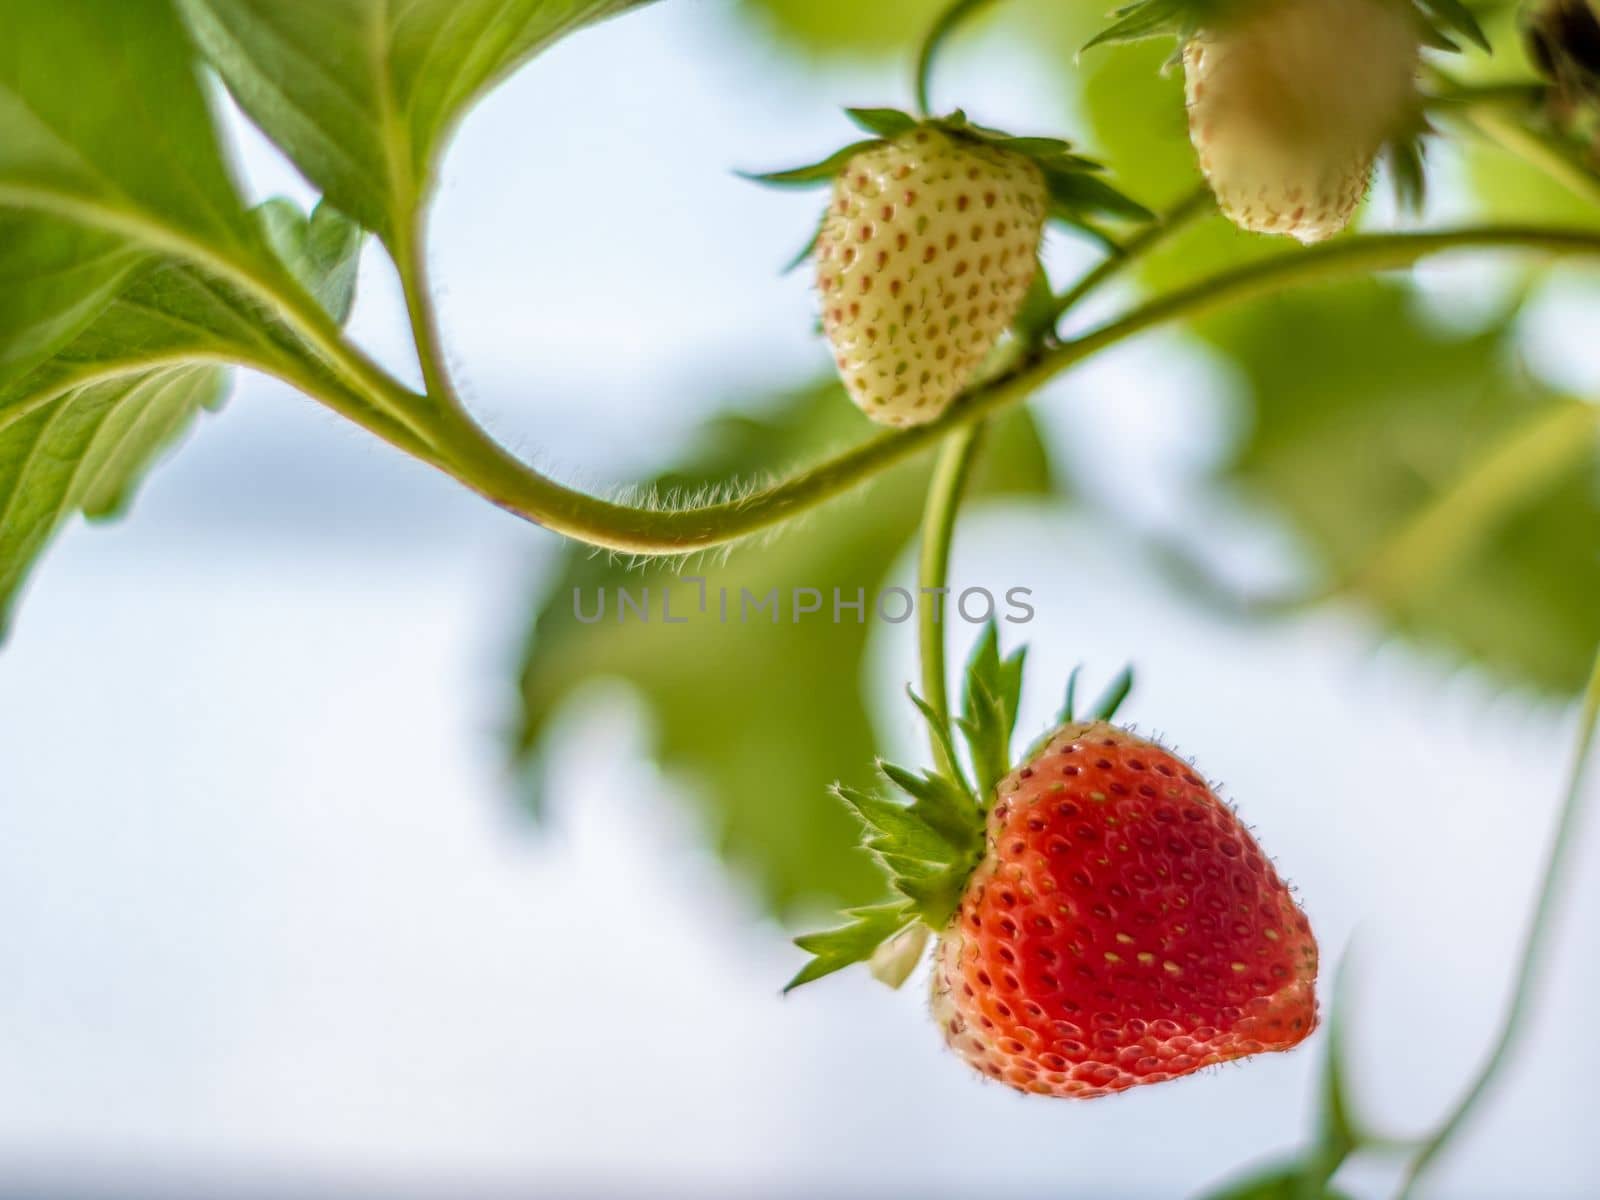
[
  {"x": 945, "y": 489},
  {"x": 1535, "y": 942},
  {"x": 470, "y": 455},
  {"x": 1193, "y": 206}
]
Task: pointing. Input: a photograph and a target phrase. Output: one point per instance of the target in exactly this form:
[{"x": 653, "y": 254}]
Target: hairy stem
[
  {"x": 944, "y": 25},
  {"x": 1196, "y": 204},
  {"x": 945, "y": 489},
  {"x": 1535, "y": 942},
  {"x": 411, "y": 263},
  {"x": 470, "y": 455}
]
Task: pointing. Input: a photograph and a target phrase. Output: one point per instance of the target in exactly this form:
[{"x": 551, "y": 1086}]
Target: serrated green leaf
[
  {"x": 104, "y": 167},
  {"x": 79, "y": 431},
  {"x": 1354, "y": 448},
  {"x": 363, "y": 94},
  {"x": 765, "y": 735},
  {"x": 835, "y": 949}
]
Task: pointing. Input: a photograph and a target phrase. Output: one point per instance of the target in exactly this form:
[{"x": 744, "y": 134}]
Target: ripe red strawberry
[
  {"x": 1123, "y": 928},
  {"x": 923, "y": 259},
  {"x": 1104, "y": 920},
  {"x": 1290, "y": 102}
]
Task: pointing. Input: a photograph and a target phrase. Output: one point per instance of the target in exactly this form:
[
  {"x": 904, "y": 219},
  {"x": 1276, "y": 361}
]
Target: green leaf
[
  {"x": 364, "y": 94},
  {"x": 79, "y": 431},
  {"x": 105, "y": 166},
  {"x": 123, "y": 140},
  {"x": 54, "y": 278},
  {"x": 1366, "y": 419},
  {"x": 322, "y": 251},
  {"x": 1150, "y": 19},
  {"x": 855, "y": 942},
  {"x": 780, "y": 718}
]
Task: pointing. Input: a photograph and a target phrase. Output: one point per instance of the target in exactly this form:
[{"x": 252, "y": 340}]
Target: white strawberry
[
  {"x": 923, "y": 259},
  {"x": 1290, "y": 102}
]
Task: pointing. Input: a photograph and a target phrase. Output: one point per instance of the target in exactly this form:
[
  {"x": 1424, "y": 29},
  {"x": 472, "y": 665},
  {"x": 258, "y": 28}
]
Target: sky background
[{"x": 271, "y": 921}]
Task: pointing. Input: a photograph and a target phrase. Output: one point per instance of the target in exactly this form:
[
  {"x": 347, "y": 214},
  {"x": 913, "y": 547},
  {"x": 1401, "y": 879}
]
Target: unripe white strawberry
[
  {"x": 923, "y": 259},
  {"x": 1290, "y": 102}
]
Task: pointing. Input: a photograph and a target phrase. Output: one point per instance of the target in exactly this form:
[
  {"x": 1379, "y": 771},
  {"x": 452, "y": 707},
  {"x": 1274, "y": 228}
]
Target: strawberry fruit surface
[
  {"x": 1123, "y": 928},
  {"x": 923, "y": 260},
  {"x": 1103, "y": 919},
  {"x": 929, "y": 246}
]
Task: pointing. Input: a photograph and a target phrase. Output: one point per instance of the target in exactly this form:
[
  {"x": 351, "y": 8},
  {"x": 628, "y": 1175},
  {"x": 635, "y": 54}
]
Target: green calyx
[
  {"x": 1144, "y": 19},
  {"x": 926, "y": 830},
  {"x": 1079, "y": 194}
]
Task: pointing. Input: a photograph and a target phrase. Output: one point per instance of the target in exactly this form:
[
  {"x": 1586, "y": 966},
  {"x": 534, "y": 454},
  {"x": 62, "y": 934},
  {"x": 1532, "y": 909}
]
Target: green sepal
[
  {"x": 929, "y": 843},
  {"x": 989, "y": 708},
  {"x": 1077, "y": 194},
  {"x": 1036, "y": 318},
  {"x": 1452, "y": 14},
  {"x": 885, "y": 122},
  {"x": 939, "y": 726},
  {"x": 816, "y": 173},
  {"x": 1151, "y": 19},
  {"x": 1182, "y": 18},
  {"x": 835, "y": 949},
  {"x": 1111, "y": 700},
  {"x": 1077, "y": 190}
]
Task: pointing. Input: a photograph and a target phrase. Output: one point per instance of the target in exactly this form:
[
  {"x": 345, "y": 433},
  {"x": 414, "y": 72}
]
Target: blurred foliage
[
  {"x": 846, "y": 27},
  {"x": 1362, "y": 414},
  {"x": 761, "y": 717}
]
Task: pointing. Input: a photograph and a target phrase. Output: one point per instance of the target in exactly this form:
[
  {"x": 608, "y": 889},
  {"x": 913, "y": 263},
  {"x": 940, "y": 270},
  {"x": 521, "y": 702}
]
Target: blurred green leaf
[
  {"x": 1289, "y": 1182},
  {"x": 848, "y": 27},
  {"x": 1364, "y": 415},
  {"x": 763, "y": 716},
  {"x": 364, "y": 94},
  {"x": 79, "y": 431}
]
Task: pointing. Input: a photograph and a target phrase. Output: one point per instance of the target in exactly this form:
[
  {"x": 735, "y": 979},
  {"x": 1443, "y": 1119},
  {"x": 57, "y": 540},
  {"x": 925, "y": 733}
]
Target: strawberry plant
[{"x": 1089, "y": 914}]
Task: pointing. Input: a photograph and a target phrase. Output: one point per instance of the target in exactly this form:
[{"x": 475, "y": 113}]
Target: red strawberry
[{"x": 1123, "y": 927}]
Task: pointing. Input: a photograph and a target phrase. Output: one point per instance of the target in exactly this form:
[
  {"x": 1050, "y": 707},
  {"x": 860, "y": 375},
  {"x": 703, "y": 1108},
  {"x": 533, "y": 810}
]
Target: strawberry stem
[
  {"x": 943, "y": 26},
  {"x": 950, "y": 475},
  {"x": 1535, "y": 942},
  {"x": 443, "y": 435}
]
